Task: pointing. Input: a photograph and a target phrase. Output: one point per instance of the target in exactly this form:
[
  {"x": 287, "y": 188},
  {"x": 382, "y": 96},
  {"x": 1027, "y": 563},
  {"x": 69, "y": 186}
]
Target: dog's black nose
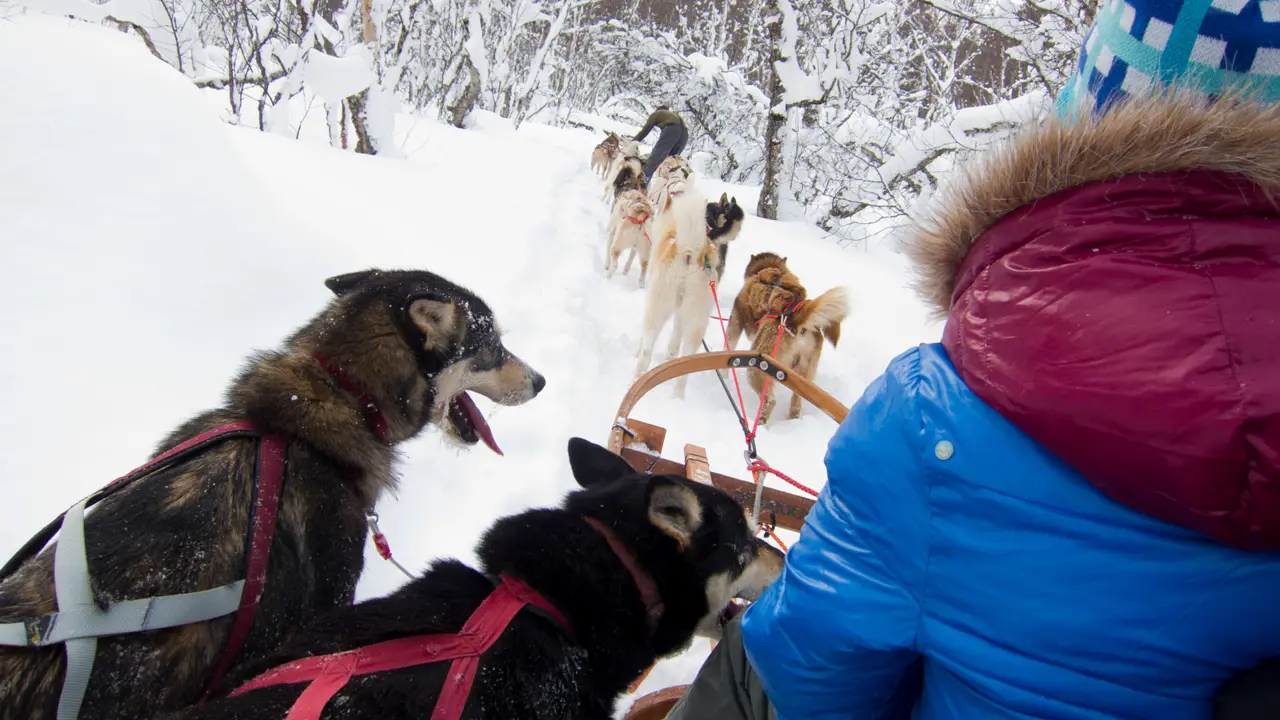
[{"x": 539, "y": 382}]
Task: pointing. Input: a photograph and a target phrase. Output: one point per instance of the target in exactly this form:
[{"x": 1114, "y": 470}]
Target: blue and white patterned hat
[{"x": 1203, "y": 46}]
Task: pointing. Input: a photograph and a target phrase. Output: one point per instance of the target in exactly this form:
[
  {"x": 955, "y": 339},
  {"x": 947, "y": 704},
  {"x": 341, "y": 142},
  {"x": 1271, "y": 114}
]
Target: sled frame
[{"x": 640, "y": 443}]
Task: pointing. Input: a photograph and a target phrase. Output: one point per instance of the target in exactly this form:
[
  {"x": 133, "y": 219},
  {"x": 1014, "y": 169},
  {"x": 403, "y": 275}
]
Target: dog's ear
[
  {"x": 674, "y": 509},
  {"x": 343, "y": 284},
  {"x": 593, "y": 464},
  {"x": 435, "y": 317},
  {"x": 724, "y": 199}
]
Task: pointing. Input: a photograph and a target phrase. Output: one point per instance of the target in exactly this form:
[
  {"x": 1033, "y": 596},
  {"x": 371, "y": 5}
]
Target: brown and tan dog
[
  {"x": 604, "y": 153},
  {"x": 774, "y": 310},
  {"x": 412, "y": 344}
]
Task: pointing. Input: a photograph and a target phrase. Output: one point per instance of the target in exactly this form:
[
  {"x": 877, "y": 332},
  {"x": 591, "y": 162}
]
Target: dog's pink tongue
[{"x": 477, "y": 420}]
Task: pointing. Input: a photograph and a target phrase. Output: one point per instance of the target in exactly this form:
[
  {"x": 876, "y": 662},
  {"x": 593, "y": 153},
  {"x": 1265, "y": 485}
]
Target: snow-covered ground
[{"x": 150, "y": 247}]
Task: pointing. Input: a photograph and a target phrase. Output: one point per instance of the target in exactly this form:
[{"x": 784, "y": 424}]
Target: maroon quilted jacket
[{"x": 1113, "y": 289}]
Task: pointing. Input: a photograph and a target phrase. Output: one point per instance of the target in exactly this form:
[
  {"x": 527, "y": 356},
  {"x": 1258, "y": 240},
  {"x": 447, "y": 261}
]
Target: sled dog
[
  {"x": 604, "y": 153},
  {"x": 626, "y": 172},
  {"x": 673, "y": 177},
  {"x": 679, "y": 283},
  {"x": 773, "y": 309},
  {"x": 724, "y": 222},
  {"x": 628, "y": 569},
  {"x": 393, "y": 352},
  {"x": 630, "y": 227}
]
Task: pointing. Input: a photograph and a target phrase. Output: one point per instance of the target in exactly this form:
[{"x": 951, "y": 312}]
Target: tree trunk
[
  {"x": 357, "y": 102},
  {"x": 467, "y": 101},
  {"x": 343, "y": 105},
  {"x": 774, "y": 128}
]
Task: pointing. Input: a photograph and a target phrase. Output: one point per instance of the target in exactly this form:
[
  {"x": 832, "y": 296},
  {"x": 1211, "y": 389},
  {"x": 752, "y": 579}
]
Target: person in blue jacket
[{"x": 1070, "y": 507}]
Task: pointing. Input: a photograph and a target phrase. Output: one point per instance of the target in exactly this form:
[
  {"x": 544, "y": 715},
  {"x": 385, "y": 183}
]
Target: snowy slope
[{"x": 152, "y": 248}]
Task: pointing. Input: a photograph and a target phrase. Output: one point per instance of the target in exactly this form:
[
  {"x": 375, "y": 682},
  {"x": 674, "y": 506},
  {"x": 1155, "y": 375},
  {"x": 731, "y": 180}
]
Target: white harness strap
[
  {"x": 75, "y": 594},
  {"x": 79, "y": 622}
]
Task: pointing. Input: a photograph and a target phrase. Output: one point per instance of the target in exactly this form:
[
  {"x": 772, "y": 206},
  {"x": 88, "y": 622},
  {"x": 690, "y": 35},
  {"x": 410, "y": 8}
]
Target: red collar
[
  {"x": 637, "y": 222},
  {"x": 644, "y": 581},
  {"x": 368, "y": 407}
]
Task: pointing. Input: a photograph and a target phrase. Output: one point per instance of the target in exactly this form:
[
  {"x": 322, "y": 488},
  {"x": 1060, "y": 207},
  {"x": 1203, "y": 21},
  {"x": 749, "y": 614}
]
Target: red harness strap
[
  {"x": 325, "y": 675},
  {"x": 262, "y": 528},
  {"x": 786, "y": 312},
  {"x": 269, "y": 479},
  {"x": 641, "y": 224}
]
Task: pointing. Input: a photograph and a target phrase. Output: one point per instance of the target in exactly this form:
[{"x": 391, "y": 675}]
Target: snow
[
  {"x": 152, "y": 248},
  {"x": 965, "y": 130},
  {"x": 798, "y": 86},
  {"x": 475, "y": 46},
  {"x": 335, "y": 78}
]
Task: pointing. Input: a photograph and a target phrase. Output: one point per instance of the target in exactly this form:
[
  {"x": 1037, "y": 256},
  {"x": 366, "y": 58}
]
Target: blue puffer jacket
[{"x": 948, "y": 542}]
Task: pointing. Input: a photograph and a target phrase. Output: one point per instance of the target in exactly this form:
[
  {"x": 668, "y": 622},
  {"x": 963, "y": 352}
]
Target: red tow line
[{"x": 756, "y": 465}]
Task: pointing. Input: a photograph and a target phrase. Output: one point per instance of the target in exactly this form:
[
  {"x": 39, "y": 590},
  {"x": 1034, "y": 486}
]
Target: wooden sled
[{"x": 640, "y": 444}]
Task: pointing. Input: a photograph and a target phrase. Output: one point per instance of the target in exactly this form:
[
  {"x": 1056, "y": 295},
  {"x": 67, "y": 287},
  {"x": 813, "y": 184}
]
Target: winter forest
[{"x": 845, "y": 112}]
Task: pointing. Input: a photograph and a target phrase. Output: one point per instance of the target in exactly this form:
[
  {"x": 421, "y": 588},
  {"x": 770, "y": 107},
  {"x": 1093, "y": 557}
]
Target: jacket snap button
[{"x": 944, "y": 450}]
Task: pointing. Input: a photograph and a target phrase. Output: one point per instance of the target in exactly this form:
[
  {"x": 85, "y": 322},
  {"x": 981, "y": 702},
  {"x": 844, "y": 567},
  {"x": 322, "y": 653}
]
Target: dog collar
[
  {"x": 372, "y": 415},
  {"x": 644, "y": 581}
]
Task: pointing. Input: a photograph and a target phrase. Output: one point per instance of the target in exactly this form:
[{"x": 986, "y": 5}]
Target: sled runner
[{"x": 641, "y": 443}]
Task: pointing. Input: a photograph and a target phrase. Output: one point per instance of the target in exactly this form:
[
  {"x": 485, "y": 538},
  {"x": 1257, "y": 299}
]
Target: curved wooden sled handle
[{"x": 722, "y": 361}]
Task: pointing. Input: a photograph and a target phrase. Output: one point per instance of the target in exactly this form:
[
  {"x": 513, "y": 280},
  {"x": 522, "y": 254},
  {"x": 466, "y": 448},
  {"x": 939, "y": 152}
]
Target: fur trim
[{"x": 1165, "y": 133}]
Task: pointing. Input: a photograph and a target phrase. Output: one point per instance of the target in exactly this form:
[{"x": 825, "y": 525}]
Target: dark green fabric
[
  {"x": 659, "y": 118},
  {"x": 726, "y": 687},
  {"x": 670, "y": 142}
]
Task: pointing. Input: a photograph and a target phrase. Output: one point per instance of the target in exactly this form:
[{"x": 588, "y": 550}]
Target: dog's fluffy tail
[{"x": 826, "y": 312}]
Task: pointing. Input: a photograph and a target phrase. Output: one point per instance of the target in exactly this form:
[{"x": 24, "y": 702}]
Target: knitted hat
[{"x": 1202, "y": 46}]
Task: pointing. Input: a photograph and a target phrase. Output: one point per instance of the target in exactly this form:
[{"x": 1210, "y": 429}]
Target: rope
[
  {"x": 771, "y": 531},
  {"x": 764, "y": 391},
  {"x": 742, "y": 420},
  {"x": 755, "y": 464},
  {"x": 724, "y": 332},
  {"x": 761, "y": 467}
]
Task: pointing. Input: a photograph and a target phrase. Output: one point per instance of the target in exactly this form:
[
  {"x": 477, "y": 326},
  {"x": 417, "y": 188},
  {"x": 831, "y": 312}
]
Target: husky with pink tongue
[
  {"x": 456, "y": 347},
  {"x": 277, "y": 486}
]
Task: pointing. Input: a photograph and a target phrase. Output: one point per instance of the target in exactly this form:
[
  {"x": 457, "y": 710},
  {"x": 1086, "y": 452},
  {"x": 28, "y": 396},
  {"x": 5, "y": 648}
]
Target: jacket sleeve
[
  {"x": 648, "y": 125},
  {"x": 835, "y": 635}
]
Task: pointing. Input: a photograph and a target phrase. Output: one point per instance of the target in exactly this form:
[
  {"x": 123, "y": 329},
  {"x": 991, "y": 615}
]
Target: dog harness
[
  {"x": 641, "y": 224},
  {"x": 79, "y": 621},
  {"x": 786, "y": 313},
  {"x": 325, "y": 675}
]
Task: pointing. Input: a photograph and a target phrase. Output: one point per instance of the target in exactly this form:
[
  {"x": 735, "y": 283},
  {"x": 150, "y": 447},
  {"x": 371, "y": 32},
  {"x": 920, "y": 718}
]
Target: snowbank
[{"x": 143, "y": 263}]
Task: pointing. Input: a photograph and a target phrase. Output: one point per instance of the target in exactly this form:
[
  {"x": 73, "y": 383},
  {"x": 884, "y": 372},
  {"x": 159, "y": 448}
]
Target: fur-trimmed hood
[
  {"x": 1112, "y": 288},
  {"x": 1156, "y": 135}
]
